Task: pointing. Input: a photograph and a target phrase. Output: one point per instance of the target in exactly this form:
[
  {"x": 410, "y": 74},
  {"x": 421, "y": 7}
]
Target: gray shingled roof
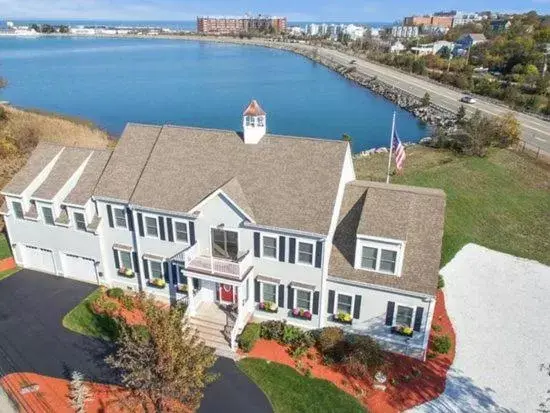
[
  {"x": 127, "y": 161},
  {"x": 412, "y": 214},
  {"x": 283, "y": 182},
  {"x": 65, "y": 166},
  {"x": 85, "y": 186},
  {"x": 39, "y": 159}
]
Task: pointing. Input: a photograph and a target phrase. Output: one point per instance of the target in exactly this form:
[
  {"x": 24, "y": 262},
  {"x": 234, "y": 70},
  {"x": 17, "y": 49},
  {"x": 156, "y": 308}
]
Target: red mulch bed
[
  {"x": 414, "y": 381},
  {"x": 131, "y": 317},
  {"x": 7, "y": 264}
]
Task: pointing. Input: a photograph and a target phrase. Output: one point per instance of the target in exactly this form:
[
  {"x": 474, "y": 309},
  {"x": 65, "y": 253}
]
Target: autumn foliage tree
[{"x": 165, "y": 364}]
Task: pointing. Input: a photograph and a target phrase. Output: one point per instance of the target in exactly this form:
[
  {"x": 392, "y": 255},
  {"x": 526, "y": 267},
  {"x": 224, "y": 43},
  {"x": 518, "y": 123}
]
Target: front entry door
[{"x": 226, "y": 294}]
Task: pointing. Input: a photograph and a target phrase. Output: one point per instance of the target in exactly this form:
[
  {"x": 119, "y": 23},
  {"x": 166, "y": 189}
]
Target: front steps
[{"x": 211, "y": 331}]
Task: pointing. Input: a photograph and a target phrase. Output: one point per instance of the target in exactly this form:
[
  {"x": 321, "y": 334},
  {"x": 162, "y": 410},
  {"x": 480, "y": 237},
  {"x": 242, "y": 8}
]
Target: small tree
[
  {"x": 168, "y": 364},
  {"x": 346, "y": 138},
  {"x": 508, "y": 129},
  {"x": 79, "y": 392},
  {"x": 426, "y": 100},
  {"x": 460, "y": 114}
]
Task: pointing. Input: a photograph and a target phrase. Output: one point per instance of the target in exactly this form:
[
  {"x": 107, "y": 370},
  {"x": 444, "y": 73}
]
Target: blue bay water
[{"x": 115, "y": 81}]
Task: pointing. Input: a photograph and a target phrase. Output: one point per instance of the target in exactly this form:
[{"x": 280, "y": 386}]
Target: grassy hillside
[{"x": 501, "y": 201}]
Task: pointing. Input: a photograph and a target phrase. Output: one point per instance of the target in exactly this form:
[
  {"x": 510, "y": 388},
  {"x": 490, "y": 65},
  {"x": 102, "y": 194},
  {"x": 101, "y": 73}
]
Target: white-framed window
[
  {"x": 120, "y": 217},
  {"x": 47, "y": 214},
  {"x": 269, "y": 292},
  {"x": 305, "y": 252},
  {"x": 269, "y": 246},
  {"x": 344, "y": 304},
  {"x": 380, "y": 256},
  {"x": 151, "y": 227},
  {"x": 404, "y": 316},
  {"x": 249, "y": 121},
  {"x": 181, "y": 231},
  {"x": 302, "y": 299},
  {"x": 125, "y": 259},
  {"x": 155, "y": 269},
  {"x": 80, "y": 221},
  {"x": 17, "y": 209}
]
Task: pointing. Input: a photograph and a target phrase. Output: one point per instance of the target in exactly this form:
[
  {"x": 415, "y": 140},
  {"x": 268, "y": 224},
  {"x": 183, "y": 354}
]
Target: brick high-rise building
[
  {"x": 236, "y": 25},
  {"x": 442, "y": 21}
]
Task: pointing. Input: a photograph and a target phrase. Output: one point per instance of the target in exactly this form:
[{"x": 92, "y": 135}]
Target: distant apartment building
[
  {"x": 405, "y": 32},
  {"x": 312, "y": 29},
  {"x": 443, "y": 21},
  {"x": 243, "y": 24},
  {"x": 461, "y": 18}
]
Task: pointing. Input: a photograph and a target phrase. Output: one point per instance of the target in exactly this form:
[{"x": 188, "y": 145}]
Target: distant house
[
  {"x": 397, "y": 47},
  {"x": 500, "y": 26},
  {"x": 432, "y": 48},
  {"x": 470, "y": 39}
]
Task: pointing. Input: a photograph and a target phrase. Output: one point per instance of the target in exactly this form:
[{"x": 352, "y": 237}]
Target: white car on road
[{"x": 468, "y": 99}]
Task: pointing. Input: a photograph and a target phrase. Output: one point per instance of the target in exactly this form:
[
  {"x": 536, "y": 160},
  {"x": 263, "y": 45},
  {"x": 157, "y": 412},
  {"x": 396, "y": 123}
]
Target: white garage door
[
  {"x": 38, "y": 259},
  {"x": 80, "y": 268}
]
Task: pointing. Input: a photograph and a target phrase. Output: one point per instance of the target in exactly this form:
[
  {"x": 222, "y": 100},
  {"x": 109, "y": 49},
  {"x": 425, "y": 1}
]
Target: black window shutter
[
  {"x": 166, "y": 272},
  {"x": 175, "y": 275},
  {"x": 145, "y": 269},
  {"x": 318, "y": 254},
  {"x": 290, "y": 303},
  {"x": 256, "y": 291},
  {"x": 195, "y": 283},
  {"x": 282, "y": 249},
  {"x": 170, "y": 229},
  {"x": 129, "y": 219},
  {"x": 161, "y": 228},
  {"x": 140, "y": 223},
  {"x": 292, "y": 250},
  {"x": 117, "y": 263},
  {"x": 281, "y": 296},
  {"x": 418, "y": 318},
  {"x": 357, "y": 307},
  {"x": 330, "y": 306},
  {"x": 316, "y": 302},
  {"x": 110, "y": 216},
  {"x": 192, "y": 233},
  {"x": 389, "y": 313},
  {"x": 136, "y": 262},
  {"x": 257, "y": 244}
]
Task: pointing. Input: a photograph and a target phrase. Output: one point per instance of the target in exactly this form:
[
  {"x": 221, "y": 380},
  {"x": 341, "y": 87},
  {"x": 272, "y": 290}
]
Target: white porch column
[{"x": 191, "y": 309}]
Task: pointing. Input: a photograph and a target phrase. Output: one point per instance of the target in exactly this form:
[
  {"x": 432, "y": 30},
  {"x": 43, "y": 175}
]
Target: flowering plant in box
[
  {"x": 157, "y": 282},
  {"x": 301, "y": 313},
  {"x": 343, "y": 317},
  {"x": 403, "y": 330},
  {"x": 268, "y": 306},
  {"x": 183, "y": 288},
  {"x": 126, "y": 272}
]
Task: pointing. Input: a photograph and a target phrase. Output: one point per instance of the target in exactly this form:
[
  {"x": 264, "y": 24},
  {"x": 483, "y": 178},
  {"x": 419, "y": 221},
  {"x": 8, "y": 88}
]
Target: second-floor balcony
[{"x": 222, "y": 260}]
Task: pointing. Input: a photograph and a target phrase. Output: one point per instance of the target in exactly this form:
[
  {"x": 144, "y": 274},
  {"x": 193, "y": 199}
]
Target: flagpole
[{"x": 391, "y": 149}]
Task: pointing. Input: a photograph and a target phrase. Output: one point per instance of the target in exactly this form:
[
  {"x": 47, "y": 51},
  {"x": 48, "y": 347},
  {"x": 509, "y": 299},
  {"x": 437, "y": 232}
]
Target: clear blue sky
[{"x": 295, "y": 10}]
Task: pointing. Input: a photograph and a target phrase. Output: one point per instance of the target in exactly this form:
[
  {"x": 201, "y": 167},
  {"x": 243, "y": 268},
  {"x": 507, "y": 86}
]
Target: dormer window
[
  {"x": 47, "y": 214},
  {"x": 17, "y": 209},
  {"x": 383, "y": 256}
]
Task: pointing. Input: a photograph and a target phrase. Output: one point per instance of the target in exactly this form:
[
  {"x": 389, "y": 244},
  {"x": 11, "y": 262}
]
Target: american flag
[{"x": 398, "y": 151}]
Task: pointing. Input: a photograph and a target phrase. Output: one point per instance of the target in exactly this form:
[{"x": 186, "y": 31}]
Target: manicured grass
[
  {"x": 290, "y": 392},
  {"x": 5, "y": 251},
  {"x": 82, "y": 320},
  {"x": 500, "y": 201},
  {"x": 7, "y": 273}
]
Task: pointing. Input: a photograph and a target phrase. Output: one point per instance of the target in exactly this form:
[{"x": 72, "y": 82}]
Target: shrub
[
  {"x": 291, "y": 334},
  {"x": 103, "y": 306},
  {"x": 329, "y": 338},
  {"x": 357, "y": 370},
  {"x": 365, "y": 351},
  {"x": 249, "y": 336},
  {"x": 127, "y": 302},
  {"x": 115, "y": 293},
  {"x": 442, "y": 344},
  {"x": 141, "y": 332},
  {"x": 109, "y": 325},
  {"x": 272, "y": 330},
  {"x": 436, "y": 328}
]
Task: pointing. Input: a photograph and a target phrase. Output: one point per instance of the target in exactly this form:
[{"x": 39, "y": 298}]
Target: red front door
[{"x": 226, "y": 293}]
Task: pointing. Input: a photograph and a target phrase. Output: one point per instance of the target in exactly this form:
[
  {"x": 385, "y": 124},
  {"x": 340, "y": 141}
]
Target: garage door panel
[
  {"x": 80, "y": 268},
  {"x": 38, "y": 258}
]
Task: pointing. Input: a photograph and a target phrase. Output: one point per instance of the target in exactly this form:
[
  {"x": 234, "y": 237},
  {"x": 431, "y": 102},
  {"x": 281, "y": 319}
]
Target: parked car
[{"x": 468, "y": 99}]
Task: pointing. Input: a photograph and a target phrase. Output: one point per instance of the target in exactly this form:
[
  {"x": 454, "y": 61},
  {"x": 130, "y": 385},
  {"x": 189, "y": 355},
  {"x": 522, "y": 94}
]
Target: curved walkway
[{"x": 32, "y": 339}]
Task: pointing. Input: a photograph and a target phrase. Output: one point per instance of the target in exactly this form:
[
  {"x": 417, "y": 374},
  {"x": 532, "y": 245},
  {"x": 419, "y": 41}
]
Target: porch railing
[{"x": 214, "y": 265}]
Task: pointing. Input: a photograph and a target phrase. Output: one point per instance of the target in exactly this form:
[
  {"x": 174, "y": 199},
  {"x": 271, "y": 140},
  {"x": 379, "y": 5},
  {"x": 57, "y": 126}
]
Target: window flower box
[
  {"x": 268, "y": 307},
  {"x": 126, "y": 272},
  {"x": 344, "y": 318},
  {"x": 184, "y": 289},
  {"x": 301, "y": 313},
  {"x": 157, "y": 283},
  {"x": 402, "y": 331}
]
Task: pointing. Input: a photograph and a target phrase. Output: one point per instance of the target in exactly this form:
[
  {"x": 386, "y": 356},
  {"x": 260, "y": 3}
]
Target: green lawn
[
  {"x": 83, "y": 321},
  {"x": 5, "y": 251},
  {"x": 290, "y": 392},
  {"x": 501, "y": 201}
]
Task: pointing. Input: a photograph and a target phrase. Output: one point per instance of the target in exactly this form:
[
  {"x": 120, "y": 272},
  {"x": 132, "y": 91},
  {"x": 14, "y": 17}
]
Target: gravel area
[{"x": 499, "y": 305}]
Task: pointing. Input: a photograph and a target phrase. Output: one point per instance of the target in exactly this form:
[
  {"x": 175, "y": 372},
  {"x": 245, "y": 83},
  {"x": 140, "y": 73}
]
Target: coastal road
[{"x": 535, "y": 131}]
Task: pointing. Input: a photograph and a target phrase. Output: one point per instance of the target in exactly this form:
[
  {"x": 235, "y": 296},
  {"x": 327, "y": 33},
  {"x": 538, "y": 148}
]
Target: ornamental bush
[
  {"x": 291, "y": 334},
  {"x": 249, "y": 336},
  {"x": 366, "y": 351},
  {"x": 442, "y": 344},
  {"x": 127, "y": 302},
  {"x": 272, "y": 330},
  {"x": 329, "y": 339},
  {"x": 115, "y": 293}
]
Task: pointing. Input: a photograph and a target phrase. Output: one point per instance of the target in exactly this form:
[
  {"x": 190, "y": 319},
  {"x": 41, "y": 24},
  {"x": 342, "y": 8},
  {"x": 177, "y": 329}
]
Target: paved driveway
[
  {"x": 32, "y": 339},
  {"x": 499, "y": 306}
]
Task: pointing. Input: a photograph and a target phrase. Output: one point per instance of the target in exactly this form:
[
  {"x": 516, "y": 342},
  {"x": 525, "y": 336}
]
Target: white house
[
  {"x": 240, "y": 226},
  {"x": 397, "y": 47},
  {"x": 433, "y": 48}
]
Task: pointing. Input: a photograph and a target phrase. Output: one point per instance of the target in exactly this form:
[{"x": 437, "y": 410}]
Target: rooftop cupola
[{"x": 254, "y": 123}]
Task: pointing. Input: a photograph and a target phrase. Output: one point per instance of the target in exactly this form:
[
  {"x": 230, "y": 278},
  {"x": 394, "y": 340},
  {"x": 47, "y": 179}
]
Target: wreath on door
[{"x": 227, "y": 288}]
